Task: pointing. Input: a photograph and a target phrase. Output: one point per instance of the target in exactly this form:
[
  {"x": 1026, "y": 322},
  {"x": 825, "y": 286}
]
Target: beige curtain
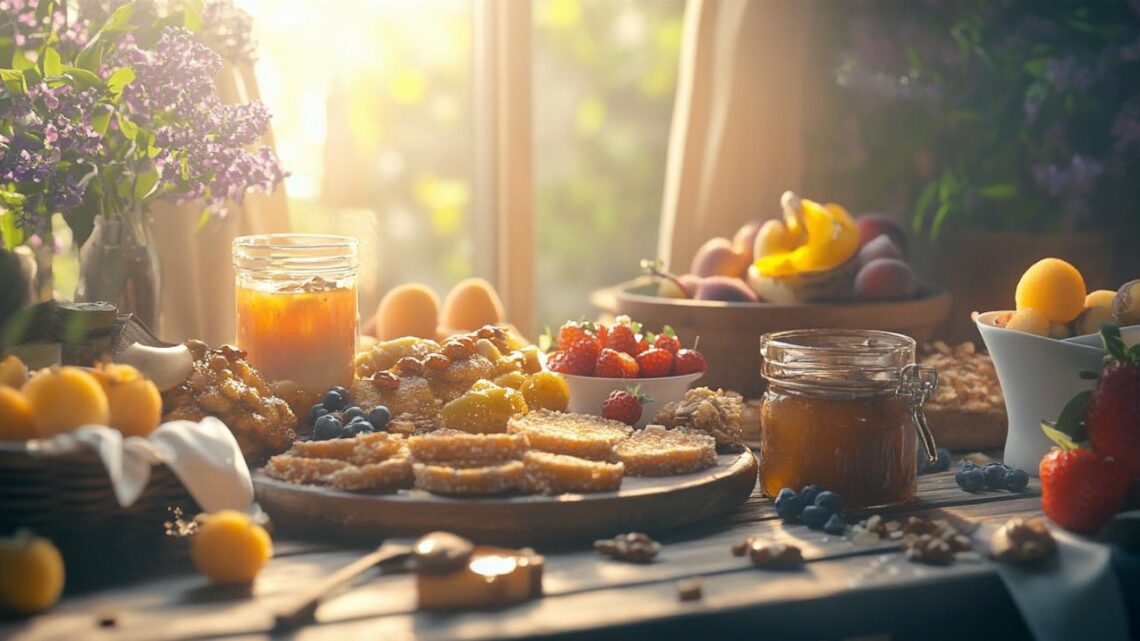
[
  {"x": 197, "y": 294},
  {"x": 737, "y": 135}
]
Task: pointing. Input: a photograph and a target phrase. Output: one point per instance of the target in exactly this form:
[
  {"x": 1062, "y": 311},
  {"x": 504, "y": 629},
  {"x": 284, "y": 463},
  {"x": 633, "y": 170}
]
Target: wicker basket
[{"x": 62, "y": 492}]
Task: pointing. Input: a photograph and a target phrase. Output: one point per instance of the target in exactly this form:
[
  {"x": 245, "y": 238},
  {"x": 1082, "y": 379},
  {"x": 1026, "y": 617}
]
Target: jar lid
[
  {"x": 836, "y": 359},
  {"x": 289, "y": 256}
]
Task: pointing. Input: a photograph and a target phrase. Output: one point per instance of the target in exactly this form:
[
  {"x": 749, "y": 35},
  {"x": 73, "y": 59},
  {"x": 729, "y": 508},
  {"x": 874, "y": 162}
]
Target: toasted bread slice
[
  {"x": 581, "y": 435},
  {"x": 385, "y": 476},
  {"x": 298, "y": 469},
  {"x": 455, "y": 445},
  {"x": 361, "y": 450},
  {"x": 656, "y": 451},
  {"x": 470, "y": 478},
  {"x": 558, "y": 473}
]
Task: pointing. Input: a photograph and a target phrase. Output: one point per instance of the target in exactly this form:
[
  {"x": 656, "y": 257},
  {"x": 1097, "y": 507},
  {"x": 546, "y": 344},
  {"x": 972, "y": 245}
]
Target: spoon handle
[{"x": 300, "y": 611}]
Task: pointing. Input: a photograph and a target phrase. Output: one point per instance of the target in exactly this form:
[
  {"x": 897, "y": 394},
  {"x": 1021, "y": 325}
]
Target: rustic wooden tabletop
[{"x": 845, "y": 590}]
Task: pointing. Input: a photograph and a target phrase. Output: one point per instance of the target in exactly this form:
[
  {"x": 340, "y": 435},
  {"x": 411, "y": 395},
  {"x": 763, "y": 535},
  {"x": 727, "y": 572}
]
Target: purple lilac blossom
[{"x": 18, "y": 20}]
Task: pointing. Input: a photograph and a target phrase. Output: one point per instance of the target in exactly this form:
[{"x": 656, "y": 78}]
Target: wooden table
[{"x": 846, "y": 590}]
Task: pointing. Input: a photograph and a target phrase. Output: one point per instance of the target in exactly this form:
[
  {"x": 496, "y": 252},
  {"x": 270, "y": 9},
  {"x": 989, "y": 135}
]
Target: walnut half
[{"x": 1023, "y": 541}]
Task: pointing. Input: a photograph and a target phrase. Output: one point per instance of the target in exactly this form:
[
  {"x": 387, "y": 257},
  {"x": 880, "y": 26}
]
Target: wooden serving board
[{"x": 642, "y": 504}]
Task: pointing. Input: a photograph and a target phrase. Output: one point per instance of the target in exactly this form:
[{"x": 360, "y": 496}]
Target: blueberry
[
  {"x": 346, "y": 432},
  {"x": 360, "y": 426},
  {"x": 379, "y": 416},
  {"x": 835, "y": 525},
  {"x": 815, "y": 517},
  {"x": 809, "y": 493},
  {"x": 339, "y": 388},
  {"x": 1016, "y": 480},
  {"x": 788, "y": 504},
  {"x": 316, "y": 412},
  {"x": 967, "y": 465},
  {"x": 326, "y": 427},
  {"x": 941, "y": 464},
  {"x": 829, "y": 500},
  {"x": 333, "y": 400},
  {"x": 994, "y": 475},
  {"x": 353, "y": 412},
  {"x": 970, "y": 479}
]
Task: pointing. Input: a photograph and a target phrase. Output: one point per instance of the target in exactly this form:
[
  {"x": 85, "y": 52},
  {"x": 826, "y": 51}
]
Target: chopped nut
[
  {"x": 965, "y": 377},
  {"x": 107, "y": 619},
  {"x": 775, "y": 556},
  {"x": 714, "y": 413},
  {"x": 1023, "y": 541},
  {"x": 874, "y": 523},
  {"x": 891, "y": 526},
  {"x": 864, "y": 537},
  {"x": 925, "y": 548},
  {"x": 741, "y": 548},
  {"x": 689, "y": 589},
  {"x": 932, "y": 541},
  {"x": 634, "y": 547}
]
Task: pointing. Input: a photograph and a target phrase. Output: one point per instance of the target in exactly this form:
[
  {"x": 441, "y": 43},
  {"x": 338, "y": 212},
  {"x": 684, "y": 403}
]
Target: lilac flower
[
  {"x": 1126, "y": 126},
  {"x": 1073, "y": 186},
  {"x": 18, "y": 20}
]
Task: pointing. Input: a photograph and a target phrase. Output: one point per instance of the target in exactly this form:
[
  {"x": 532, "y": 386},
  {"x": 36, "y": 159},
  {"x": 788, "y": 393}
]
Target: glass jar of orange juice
[
  {"x": 296, "y": 307},
  {"x": 841, "y": 411}
]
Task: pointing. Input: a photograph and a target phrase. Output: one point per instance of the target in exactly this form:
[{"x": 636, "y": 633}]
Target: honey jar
[
  {"x": 296, "y": 307},
  {"x": 842, "y": 411}
]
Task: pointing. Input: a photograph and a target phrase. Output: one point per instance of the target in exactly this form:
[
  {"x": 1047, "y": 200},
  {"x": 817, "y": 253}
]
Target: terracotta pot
[
  {"x": 730, "y": 332},
  {"x": 981, "y": 269}
]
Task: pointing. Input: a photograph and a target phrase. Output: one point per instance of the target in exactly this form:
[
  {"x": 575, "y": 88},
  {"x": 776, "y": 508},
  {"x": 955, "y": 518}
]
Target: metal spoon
[{"x": 435, "y": 552}]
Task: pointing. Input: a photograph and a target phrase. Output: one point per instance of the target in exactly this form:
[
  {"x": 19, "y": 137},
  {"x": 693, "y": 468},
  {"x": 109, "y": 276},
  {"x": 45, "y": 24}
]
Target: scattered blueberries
[
  {"x": 809, "y": 493},
  {"x": 970, "y": 478},
  {"x": 316, "y": 412},
  {"x": 1016, "y": 480},
  {"x": 353, "y": 412},
  {"x": 327, "y": 427},
  {"x": 789, "y": 504},
  {"x": 379, "y": 416},
  {"x": 815, "y": 517},
  {"x": 835, "y": 525},
  {"x": 994, "y": 472},
  {"x": 941, "y": 465},
  {"x": 830, "y": 501},
  {"x": 334, "y": 399}
]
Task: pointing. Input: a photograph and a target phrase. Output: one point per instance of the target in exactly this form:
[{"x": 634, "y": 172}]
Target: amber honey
[
  {"x": 842, "y": 411},
  {"x": 297, "y": 307},
  {"x": 861, "y": 447}
]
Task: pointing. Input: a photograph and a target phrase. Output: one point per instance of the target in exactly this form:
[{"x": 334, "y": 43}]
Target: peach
[
  {"x": 683, "y": 286},
  {"x": 230, "y": 548},
  {"x": 719, "y": 257},
  {"x": 64, "y": 398},
  {"x": 1089, "y": 321},
  {"x": 16, "y": 420},
  {"x": 411, "y": 309},
  {"x": 871, "y": 226},
  {"x": 1126, "y": 303},
  {"x": 1054, "y": 288},
  {"x": 1029, "y": 320},
  {"x": 13, "y": 372},
  {"x": 31, "y": 573},
  {"x": 134, "y": 400},
  {"x": 725, "y": 288},
  {"x": 1100, "y": 298},
  {"x": 885, "y": 279},
  {"x": 880, "y": 246},
  {"x": 470, "y": 305},
  {"x": 745, "y": 238}
]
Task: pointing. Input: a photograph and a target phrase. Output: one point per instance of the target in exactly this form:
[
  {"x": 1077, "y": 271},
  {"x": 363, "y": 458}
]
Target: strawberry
[
  {"x": 581, "y": 356},
  {"x": 557, "y": 362},
  {"x": 1080, "y": 489},
  {"x": 621, "y": 338},
  {"x": 569, "y": 333},
  {"x": 642, "y": 344},
  {"x": 1112, "y": 419},
  {"x": 614, "y": 364},
  {"x": 667, "y": 340},
  {"x": 624, "y": 405},
  {"x": 655, "y": 363},
  {"x": 689, "y": 361}
]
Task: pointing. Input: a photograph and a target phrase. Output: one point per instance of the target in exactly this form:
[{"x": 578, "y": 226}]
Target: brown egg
[
  {"x": 411, "y": 309},
  {"x": 472, "y": 304}
]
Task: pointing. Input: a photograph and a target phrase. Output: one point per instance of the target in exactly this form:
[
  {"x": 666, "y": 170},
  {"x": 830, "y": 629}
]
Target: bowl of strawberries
[{"x": 621, "y": 372}]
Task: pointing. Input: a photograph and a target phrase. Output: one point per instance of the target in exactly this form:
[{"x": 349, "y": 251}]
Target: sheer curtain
[
  {"x": 197, "y": 294},
  {"x": 737, "y": 134}
]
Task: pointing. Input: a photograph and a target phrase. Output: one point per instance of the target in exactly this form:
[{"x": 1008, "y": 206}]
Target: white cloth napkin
[
  {"x": 1075, "y": 596},
  {"x": 204, "y": 456}
]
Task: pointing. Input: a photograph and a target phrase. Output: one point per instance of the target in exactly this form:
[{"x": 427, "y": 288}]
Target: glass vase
[{"x": 118, "y": 264}]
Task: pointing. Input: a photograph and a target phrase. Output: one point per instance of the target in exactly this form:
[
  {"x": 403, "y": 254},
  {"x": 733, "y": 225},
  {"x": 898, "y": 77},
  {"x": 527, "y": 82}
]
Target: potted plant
[
  {"x": 1004, "y": 131},
  {"x": 100, "y": 119}
]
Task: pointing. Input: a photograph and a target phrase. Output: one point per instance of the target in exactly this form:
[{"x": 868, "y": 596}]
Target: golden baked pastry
[
  {"x": 369, "y": 473},
  {"x": 967, "y": 410},
  {"x": 223, "y": 384},
  {"x": 408, "y": 397},
  {"x": 559, "y": 473},
  {"x": 714, "y": 413},
  {"x": 492, "y": 578},
  {"x": 454, "y": 445},
  {"x": 386, "y": 476},
  {"x": 383, "y": 355},
  {"x": 302, "y": 470},
  {"x": 470, "y": 479},
  {"x": 656, "y": 451},
  {"x": 582, "y": 435}
]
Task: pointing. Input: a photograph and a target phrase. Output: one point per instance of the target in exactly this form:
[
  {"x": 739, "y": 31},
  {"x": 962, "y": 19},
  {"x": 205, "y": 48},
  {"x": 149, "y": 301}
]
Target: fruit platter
[{"x": 816, "y": 266}]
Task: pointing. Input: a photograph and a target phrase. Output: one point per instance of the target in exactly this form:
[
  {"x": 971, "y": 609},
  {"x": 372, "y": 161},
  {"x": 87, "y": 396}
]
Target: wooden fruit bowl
[{"x": 730, "y": 332}]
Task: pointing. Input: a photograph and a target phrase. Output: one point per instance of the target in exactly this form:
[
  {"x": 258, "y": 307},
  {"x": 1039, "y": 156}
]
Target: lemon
[{"x": 230, "y": 548}]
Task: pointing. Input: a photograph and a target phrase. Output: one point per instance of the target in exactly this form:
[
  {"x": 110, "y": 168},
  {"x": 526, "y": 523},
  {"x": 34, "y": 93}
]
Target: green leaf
[
  {"x": 1036, "y": 67},
  {"x": 82, "y": 77},
  {"x": 1113, "y": 342},
  {"x": 128, "y": 128},
  {"x": 43, "y": 10},
  {"x": 146, "y": 184},
  {"x": 1134, "y": 353},
  {"x": 53, "y": 66},
  {"x": 120, "y": 78},
  {"x": 203, "y": 220},
  {"x": 939, "y": 218},
  {"x": 100, "y": 121},
  {"x": 925, "y": 199},
  {"x": 81, "y": 219},
  {"x": 10, "y": 229},
  {"x": 13, "y": 80},
  {"x": 998, "y": 191},
  {"x": 120, "y": 20},
  {"x": 1058, "y": 437},
  {"x": 191, "y": 17},
  {"x": 91, "y": 58},
  {"x": 1072, "y": 419},
  {"x": 1088, "y": 375},
  {"x": 668, "y": 331},
  {"x": 20, "y": 61}
]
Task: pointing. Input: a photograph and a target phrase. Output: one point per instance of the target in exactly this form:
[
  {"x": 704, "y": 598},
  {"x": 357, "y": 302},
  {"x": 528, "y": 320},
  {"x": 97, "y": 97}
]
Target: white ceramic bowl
[
  {"x": 1038, "y": 376},
  {"x": 587, "y": 393}
]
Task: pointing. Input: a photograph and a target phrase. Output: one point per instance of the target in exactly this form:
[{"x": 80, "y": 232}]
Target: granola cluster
[{"x": 967, "y": 379}]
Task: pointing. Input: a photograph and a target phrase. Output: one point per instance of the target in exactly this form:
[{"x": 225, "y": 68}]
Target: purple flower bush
[
  {"x": 102, "y": 120},
  {"x": 1000, "y": 114}
]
